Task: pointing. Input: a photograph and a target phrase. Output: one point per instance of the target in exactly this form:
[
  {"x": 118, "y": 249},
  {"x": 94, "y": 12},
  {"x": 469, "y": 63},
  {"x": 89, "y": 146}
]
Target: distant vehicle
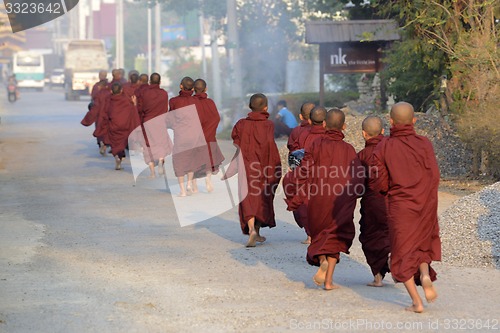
[
  {"x": 83, "y": 60},
  {"x": 29, "y": 69},
  {"x": 57, "y": 78}
]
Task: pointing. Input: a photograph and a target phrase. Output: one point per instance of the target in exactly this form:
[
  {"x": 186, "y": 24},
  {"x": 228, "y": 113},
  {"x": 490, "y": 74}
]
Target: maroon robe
[
  {"x": 404, "y": 168},
  {"x": 261, "y": 170},
  {"x": 185, "y": 98},
  {"x": 210, "y": 118},
  {"x": 123, "y": 119},
  {"x": 331, "y": 176},
  {"x": 129, "y": 89},
  {"x": 152, "y": 105},
  {"x": 140, "y": 89},
  {"x": 187, "y": 156},
  {"x": 95, "y": 89},
  {"x": 98, "y": 114},
  {"x": 374, "y": 236},
  {"x": 297, "y": 137},
  {"x": 305, "y": 138}
]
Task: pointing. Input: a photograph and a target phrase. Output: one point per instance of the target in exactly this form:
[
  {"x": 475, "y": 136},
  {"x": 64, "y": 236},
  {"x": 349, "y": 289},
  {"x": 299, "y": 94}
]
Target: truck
[{"x": 83, "y": 59}]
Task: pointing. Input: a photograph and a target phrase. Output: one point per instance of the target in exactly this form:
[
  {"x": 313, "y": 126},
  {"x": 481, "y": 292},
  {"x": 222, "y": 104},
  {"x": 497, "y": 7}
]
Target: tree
[{"x": 466, "y": 33}]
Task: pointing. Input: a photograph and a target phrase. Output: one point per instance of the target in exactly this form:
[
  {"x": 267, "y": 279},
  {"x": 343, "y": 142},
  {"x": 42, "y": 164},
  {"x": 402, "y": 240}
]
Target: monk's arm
[
  {"x": 232, "y": 169},
  {"x": 378, "y": 176},
  {"x": 296, "y": 191},
  {"x": 91, "y": 116}
]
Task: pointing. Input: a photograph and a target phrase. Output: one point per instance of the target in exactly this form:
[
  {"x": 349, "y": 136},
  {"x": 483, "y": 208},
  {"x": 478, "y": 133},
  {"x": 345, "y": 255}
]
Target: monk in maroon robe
[
  {"x": 143, "y": 84},
  {"x": 152, "y": 104},
  {"x": 300, "y": 133},
  {"x": 209, "y": 118},
  {"x": 305, "y": 137},
  {"x": 260, "y": 172},
  {"x": 102, "y": 79},
  {"x": 117, "y": 77},
  {"x": 130, "y": 87},
  {"x": 404, "y": 168},
  {"x": 123, "y": 119},
  {"x": 186, "y": 161},
  {"x": 333, "y": 176},
  {"x": 98, "y": 115},
  {"x": 374, "y": 236}
]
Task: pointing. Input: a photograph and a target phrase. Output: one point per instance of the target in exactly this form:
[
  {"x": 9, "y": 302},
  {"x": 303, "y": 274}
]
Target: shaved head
[
  {"x": 258, "y": 102},
  {"x": 143, "y": 78},
  {"x": 318, "y": 115},
  {"x": 199, "y": 86},
  {"x": 116, "y": 74},
  {"x": 402, "y": 113},
  {"x": 187, "y": 83},
  {"x": 133, "y": 76},
  {"x": 116, "y": 88},
  {"x": 335, "y": 119},
  {"x": 155, "y": 78},
  {"x": 102, "y": 75},
  {"x": 373, "y": 126},
  {"x": 305, "y": 110}
]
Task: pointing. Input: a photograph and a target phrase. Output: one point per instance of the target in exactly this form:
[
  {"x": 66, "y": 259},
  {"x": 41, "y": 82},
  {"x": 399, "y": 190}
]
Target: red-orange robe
[
  {"x": 261, "y": 170},
  {"x": 332, "y": 177},
  {"x": 123, "y": 119},
  {"x": 303, "y": 140},
  {"x": 408, "y": 173},
  {"x": 152, "y": 104},
  {"x": 210, "y": 118},
  {"x": 374, "y": 236}
]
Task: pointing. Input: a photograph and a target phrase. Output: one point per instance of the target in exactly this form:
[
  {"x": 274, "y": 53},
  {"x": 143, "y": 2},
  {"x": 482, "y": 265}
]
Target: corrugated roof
[{"x": 351, "y": 31}]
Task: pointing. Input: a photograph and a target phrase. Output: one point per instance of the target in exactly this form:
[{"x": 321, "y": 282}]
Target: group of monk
[
  {"x": 136, "y": 110},
  {"x": 395, "y": 176}
]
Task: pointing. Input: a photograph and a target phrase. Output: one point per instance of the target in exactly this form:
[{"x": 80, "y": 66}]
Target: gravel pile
[
  {"x": 470, "y": 230},
  {"x": 452, "y": 156}
]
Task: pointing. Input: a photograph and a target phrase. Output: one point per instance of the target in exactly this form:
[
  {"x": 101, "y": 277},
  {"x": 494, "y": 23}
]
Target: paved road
[{"x": 85, "y": 249}]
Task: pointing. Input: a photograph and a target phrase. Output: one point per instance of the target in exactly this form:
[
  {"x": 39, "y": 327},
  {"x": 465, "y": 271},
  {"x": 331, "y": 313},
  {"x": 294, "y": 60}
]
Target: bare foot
[
  {"x": 260, "y": 239},
  {"x": 210, "y": 187},
  {"x": 118, "y": 163},
  {"x": 152, "y": 176},
  {"x": 182, "y": 194},
  {"x": 102, "y": 149},
  {"x": 415, "y": 308},
  {"x": 377, "y": 281},
  {"x": 161, "y": 169},
  {"x": 252, "y": 239},
  {"x": 429, "y": 291},
  {"x": 320, "y": 276},
  {"x": 307, "y": 240},
  {"x": 330, "y": 286}
]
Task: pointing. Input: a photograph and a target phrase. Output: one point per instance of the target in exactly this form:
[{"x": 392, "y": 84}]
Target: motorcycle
[{"x": 12, "y": 93}]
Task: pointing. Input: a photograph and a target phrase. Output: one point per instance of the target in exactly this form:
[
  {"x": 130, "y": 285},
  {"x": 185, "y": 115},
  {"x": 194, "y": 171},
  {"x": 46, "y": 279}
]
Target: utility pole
[
  {"x": 158, "y": 37},
  {"x": 90, "y": 30},
  {"x": 150, "y": 67},
  {"x": 119, "y": 35},
  {"x": 202, "y": 45},
  {"x": 217, "y": 96},
  {"x": 234, "y": 50}
]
